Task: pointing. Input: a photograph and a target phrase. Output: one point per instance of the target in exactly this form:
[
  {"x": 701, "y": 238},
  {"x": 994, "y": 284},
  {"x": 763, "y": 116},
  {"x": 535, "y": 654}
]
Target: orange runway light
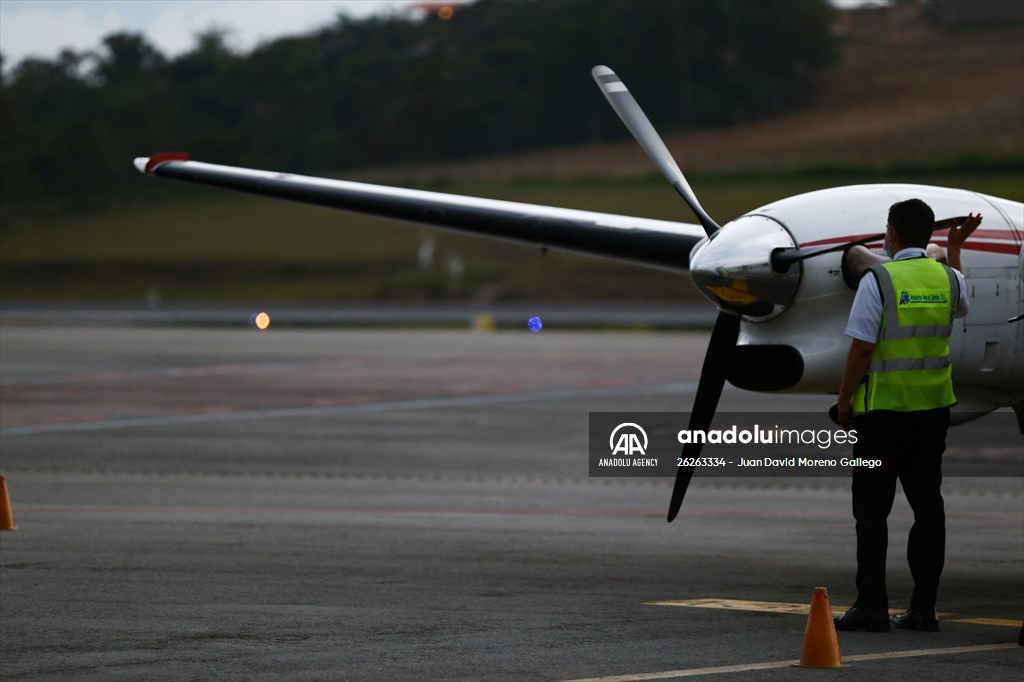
[{"x": 259, "y": 320}]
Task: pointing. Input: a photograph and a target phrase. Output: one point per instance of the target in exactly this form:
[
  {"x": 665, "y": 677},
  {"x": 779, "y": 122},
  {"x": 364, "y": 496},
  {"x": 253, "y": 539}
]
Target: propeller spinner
[{"x": 734, "y": 269}]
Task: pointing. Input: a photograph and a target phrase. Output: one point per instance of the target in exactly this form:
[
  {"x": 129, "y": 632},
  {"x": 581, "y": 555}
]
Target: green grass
[{"x": 200, "y": 243}]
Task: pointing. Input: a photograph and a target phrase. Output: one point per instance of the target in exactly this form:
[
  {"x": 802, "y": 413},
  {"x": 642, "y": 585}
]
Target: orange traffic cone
[
  {"x": 6, "y": 515},
  {"x": 821, "y": 646}
]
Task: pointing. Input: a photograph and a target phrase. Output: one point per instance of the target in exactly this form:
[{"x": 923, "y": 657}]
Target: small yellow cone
[
  {"x": 6, "y": 515},
  {"x": 821, "y": 646}
]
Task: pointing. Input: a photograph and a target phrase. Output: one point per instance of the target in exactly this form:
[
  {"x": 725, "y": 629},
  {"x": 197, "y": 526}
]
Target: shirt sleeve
[
  {"x": 866, "y": 313},
  {"x": 963, "y": 304}
]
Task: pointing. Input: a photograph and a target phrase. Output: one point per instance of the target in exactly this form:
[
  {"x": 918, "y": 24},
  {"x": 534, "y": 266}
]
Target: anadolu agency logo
[{"x": 626, "y": 440}]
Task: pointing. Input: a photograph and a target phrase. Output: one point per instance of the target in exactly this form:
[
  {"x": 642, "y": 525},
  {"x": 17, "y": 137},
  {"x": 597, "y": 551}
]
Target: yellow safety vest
[{"x": 910, "y": 368}]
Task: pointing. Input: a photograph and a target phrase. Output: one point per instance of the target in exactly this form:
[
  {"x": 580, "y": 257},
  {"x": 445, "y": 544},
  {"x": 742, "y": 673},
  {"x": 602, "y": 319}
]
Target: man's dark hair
[{"x": 913, "y": 220}]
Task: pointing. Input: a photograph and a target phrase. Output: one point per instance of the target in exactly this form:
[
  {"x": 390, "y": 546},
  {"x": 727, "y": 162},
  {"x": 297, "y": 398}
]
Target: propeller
[
  {"x": 783, "y": 258},
  {"x": 636, "y": 121},
  {"x": 718, "y": 358},
  {"x": 763, "y": 288}
]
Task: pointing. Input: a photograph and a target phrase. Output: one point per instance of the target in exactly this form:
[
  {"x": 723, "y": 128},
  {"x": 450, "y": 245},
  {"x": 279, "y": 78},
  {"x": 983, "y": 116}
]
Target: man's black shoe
[
  {"x": 917, "y": 620},
  {"x": 860, "y": 618}
]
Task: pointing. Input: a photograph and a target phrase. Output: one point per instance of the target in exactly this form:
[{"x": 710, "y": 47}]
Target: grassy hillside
[
  {"x": 230, "y": 247},
  {"x": 911, "y": 97}
]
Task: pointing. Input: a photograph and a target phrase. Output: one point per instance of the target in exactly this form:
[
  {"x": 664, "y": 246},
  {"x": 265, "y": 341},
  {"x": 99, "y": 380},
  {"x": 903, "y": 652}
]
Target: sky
[{"x": 41, "y": 28}]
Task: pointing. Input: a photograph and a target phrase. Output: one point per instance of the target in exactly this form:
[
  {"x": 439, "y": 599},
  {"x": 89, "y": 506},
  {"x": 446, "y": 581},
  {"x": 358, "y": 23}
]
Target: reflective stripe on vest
[{"x": 910, "y": 368}]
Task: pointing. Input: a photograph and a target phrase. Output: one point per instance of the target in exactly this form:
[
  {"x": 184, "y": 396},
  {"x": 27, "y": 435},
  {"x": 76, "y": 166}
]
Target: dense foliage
[{"x": 499, "y": 76}]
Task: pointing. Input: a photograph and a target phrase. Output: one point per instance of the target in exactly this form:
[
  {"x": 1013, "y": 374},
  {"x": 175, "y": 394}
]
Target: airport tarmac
[{"x": 408, "y": 504}]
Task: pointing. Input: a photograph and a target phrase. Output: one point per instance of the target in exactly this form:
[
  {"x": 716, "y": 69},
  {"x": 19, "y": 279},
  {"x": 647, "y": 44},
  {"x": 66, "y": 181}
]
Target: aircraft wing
[{"x": 653, "y": 243}]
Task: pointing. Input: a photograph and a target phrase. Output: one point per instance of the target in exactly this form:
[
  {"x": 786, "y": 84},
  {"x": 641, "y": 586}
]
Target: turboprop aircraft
[{"x": 782, "y": 275}]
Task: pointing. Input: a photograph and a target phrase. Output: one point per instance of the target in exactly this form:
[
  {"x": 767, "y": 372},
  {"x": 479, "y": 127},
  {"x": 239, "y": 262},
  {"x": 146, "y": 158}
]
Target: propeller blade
[
  {"x": 709, "y": 390},
  {"x": 636, "y": 121},
  {"x": 948, "y": 223},
  {"x": 783, "y": 258}
]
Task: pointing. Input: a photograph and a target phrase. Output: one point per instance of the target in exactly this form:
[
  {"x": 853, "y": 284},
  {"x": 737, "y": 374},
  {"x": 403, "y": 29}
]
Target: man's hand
[
  {"x": 957, "y": 236},
  {"x": 936, "y": 252},
  {"x": 844, "y": 417},
  {"x": 858, "y": 360}
]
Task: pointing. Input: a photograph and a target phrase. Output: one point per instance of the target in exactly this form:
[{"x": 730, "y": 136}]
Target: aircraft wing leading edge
[{"x": 653, "y": 243}]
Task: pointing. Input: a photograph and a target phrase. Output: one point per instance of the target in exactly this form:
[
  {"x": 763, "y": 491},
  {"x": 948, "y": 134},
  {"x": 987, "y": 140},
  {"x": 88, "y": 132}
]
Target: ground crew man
[{"x": 896, "y": 391}]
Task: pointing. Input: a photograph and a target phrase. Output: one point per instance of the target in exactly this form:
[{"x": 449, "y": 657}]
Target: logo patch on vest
[{"x": 924, "y": 298}]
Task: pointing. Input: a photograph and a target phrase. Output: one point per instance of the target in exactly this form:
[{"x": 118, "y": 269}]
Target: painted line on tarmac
[
  {"x": 252, "y": 512},
  {"x": 769, "y": 665},
  {"x": 804, "y": 609},
  {"x": 405, "y": 511},
  {"x": 336, "y": 410},
  {"x": 1004, "y": 622},
  {"x": 759, "y": 606}
]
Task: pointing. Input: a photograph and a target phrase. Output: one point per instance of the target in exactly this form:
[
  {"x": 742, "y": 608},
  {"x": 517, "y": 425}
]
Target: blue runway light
[{"x": 535, "y": 324}]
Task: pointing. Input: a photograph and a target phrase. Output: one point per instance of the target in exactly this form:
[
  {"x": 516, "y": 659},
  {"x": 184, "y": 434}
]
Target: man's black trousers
[{"x": 910, "y": 445}]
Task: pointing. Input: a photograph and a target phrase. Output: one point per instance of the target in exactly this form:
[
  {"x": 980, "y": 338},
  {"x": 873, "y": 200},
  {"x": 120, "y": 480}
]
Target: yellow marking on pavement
[
  {"x": 745, "y": 667},
  {"x": 1004, "y": 622},
  {"x": 744, "y": 605},
  {"x": 762, "y": 606}
]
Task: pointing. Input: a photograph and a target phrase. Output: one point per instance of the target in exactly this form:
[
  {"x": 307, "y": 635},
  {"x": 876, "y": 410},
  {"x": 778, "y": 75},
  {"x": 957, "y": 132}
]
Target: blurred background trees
[{"x": 502, "y": 76}]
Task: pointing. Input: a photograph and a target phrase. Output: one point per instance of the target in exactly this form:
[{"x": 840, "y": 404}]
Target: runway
[{"x": 409, "y": 504}]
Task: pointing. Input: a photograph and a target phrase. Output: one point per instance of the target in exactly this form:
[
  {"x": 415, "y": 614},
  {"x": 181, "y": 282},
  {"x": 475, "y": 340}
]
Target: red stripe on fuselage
[
  {"x": 1009, "y": 241},
  {"x": 1011, "y": 249}
]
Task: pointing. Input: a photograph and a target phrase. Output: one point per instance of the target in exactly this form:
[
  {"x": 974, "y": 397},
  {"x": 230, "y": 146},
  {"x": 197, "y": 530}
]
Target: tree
[{"x": 501, "y": 76}]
